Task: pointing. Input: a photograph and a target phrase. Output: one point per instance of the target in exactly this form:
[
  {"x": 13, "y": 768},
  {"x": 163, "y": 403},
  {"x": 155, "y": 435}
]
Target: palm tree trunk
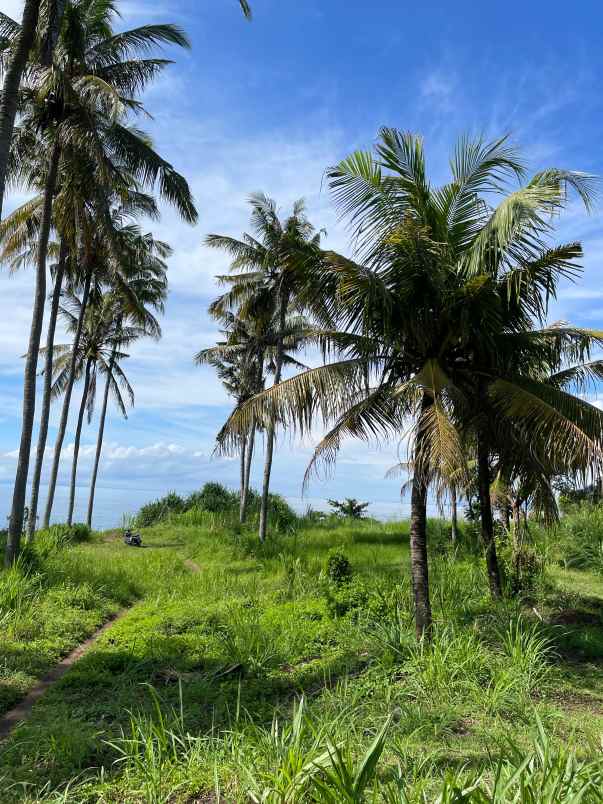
[
  {"x": 99, "y": 441},
  {"x": 12, "y": 82},
  {"x": 13, "y": 543},
  {"x": 242, "y": 470},
  {"x": 266, "y": 479},
  {"x": 52, "y": 483},
  {"x": 46, "y": 400},
  {"x": 483, "y": 468},
  {"x": 506, "y": 516},
  {"x": 454, "y": 525},
  {"x": 76, "y": 446},
  {"x": 419, "y": 567},
  {"x": 248, "y": 457},
  {"x": 56, "y": 9},
  {"x": 516, "y": 523},
  {"x": 270, "y": 429}
]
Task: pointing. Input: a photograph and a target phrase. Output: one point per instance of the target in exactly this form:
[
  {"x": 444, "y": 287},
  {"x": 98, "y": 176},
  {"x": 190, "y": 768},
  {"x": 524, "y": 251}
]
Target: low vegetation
[
  {"x": 214, "y": 498},
  {"x": 302, "y": 680}
]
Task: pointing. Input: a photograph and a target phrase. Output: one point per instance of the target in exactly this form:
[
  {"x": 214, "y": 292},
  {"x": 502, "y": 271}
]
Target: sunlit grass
[{"x": 196, "y": 691}]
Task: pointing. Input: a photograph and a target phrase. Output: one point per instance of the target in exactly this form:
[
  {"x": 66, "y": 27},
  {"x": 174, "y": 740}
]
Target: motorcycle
[{"x": 132, "y": 539}]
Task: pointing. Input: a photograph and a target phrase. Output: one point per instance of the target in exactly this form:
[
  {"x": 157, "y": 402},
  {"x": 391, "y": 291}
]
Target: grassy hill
[{"x": 248, "y": 673}]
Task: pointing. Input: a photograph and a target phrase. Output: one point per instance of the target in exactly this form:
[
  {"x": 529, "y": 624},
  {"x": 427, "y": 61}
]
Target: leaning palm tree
[
  {"x": 269, "y": 265},
  {"x": 446, "y": 290},
  {"x": 16, "y": 41}
]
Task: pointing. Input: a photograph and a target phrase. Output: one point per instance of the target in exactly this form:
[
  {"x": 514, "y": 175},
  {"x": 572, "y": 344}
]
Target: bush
[
  {"x": 570, "y": 497},
  {"x": 214, "y": 498},
  {"x": 523, "y": 567},
  {"x": 158, "y": 510},
  {"x": 352, "y": 596},
  {"x": 281, "y": 516},
  {"x": 339, "y": 568}
]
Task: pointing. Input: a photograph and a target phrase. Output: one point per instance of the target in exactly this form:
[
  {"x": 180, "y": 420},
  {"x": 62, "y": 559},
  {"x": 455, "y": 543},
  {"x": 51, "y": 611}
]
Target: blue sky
[{"x": 268, "y": 105}]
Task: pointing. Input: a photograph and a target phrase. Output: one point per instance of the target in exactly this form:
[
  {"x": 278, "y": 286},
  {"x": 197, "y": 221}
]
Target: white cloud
[
  {"x": 14, "y": 8},
  {"x": 580, "y": 294},
  {"x": 436, "y": 85},
  {"x": 131, "y": 10}
]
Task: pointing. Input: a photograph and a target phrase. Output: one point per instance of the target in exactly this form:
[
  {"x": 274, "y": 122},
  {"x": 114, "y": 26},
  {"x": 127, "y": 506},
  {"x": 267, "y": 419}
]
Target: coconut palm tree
[
  {"x": 19, "y": 234},
  {"x": 241, "y": 373},
  {"x": 129, "y": 304},
  {"x": 133, "y": 265},
  {"x": 16, "y": 41},
  {"x": 100, "y": 351},
  {"x": 251, "y": 347},
  {"x": 271, "y": 267},
  {"x": 446, "y": 293},
  {"x": 88, "y": 56},
  {"x": 47, "y": 391}
]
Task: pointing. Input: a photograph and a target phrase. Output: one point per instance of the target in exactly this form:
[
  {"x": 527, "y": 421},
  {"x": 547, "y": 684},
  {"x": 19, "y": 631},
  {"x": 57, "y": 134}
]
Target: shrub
[
  {"x": 522, "y": 567},
  {"x": 348, "y": 597},
  {"x": 283, "y": 517},
  {"x": 154, "y": 512},
  {"x": 339, "y": 568},
  {"x": 213, "y": 497},
  {"x": 570, "y": 497}
]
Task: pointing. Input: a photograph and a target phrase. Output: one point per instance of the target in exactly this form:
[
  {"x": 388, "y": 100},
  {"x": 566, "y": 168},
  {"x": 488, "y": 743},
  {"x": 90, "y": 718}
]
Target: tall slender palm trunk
[
  {"x": 99, "y": 440},
  {"x": 506, "y": 516},
  {"x": 12, "y": 82},
  {"x": 419, "y": 567},
  {"x": 52, "y": 483},
  {"x": 454, "y": 519},
  {"x": 270, "y": 429},
  {"x": 489, "y": 542},
  {"x": 76, "y": 446},
  {"x": 13, "y": 543},
  {"x": 247, "y": 474},
  {"x": 56, "y": 9},
  {"x": 46, "y": 399},
  {"x": 516, "y": 522},
  {"x": 242, "y": 461}
]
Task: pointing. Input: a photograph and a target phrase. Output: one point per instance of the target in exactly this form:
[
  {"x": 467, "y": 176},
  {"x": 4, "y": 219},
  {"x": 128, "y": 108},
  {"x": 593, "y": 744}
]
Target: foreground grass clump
[{"x": 289, "y": 672}]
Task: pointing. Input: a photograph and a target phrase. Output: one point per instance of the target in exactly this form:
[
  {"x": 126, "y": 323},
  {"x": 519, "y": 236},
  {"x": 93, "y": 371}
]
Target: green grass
[{"x": 196, "y": 691}]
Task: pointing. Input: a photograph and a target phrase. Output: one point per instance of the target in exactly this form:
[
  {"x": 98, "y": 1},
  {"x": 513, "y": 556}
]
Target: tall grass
[
  {"x": 578, "y": 538},
  {"x": 307, "y": 761},
  {"x": 382, "y": 718}
]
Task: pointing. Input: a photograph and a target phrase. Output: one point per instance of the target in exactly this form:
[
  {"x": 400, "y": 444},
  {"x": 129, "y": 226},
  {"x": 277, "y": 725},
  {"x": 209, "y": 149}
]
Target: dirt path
[{"x": 23, "y": 709}]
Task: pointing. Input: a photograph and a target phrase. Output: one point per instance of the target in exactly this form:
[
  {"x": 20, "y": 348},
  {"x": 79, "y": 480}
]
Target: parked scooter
[{"x": 132, "y": 539}]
